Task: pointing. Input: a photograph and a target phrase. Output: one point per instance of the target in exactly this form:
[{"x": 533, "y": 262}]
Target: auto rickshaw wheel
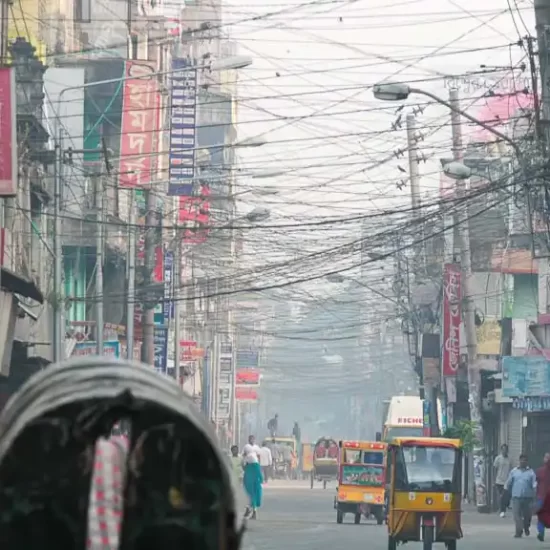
[
  {"x": 428, "y": 538},
  {"x": 392, "y": 543},
  {"x": 339, "y": 516},
  {"x": 357, "y": 518}
]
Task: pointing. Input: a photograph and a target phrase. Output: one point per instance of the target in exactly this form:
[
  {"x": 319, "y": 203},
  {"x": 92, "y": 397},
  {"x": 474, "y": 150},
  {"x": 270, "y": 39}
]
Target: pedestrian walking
[
  {"x": 522, "y": 484},
  {"x": 543, "y": 488},
  {"x": 266, "y": 461},
  {"x": 251, "y": 446},
  {"x": 252, "y": 482},
  {"x": 237, "y": 463},
  {"x": 502, "y": 466}
]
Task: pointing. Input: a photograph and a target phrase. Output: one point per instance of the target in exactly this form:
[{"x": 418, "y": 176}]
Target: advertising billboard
[
  {"x": 8, "y": 133},
  {"x": 248, "y": 358},
  {"x": 110, "y": 349},
  {"x": 139, "y": 125},
  {"x": 183, "y": 111},
  {"x": 527, "y": 376},
  {"x": 452, "y": 296},
  {"x": 244, "y": 394},
  {"x": 247, "y": 377},
  {"x": 161, "y": 349}
]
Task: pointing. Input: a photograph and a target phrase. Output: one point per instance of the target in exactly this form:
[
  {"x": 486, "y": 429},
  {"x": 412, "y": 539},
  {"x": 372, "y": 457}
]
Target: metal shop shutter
[{"x": 514, "y": 433}]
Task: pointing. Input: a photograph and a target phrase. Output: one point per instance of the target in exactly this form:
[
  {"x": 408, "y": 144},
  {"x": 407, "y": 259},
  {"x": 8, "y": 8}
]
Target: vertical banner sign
[
  {"x": 183, "y": 140},
  {"x": 168, "y": 286},
  {"x": 139, "y": 125},
  {"x": 161, "y": 349},
  {"x": 452, "y": 296},
  {"x": 8, "y": 133},
  {"x": 225, "y": 385}
]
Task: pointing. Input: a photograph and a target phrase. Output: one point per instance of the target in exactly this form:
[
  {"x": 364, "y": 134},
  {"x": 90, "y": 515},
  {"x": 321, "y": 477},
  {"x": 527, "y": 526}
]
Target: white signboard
[{"x": 226, "y": 374}]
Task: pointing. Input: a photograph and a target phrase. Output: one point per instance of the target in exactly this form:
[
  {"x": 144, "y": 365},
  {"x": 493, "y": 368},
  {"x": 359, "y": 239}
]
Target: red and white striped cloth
[{"x": 106, "y": 493}]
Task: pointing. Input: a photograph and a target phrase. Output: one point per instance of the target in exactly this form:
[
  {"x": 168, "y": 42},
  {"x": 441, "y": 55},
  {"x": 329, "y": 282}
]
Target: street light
[
  {"x": 457, "y": 171},
  {"x": 230, "y": 63},
  {"x": 256, "y": 141},
  {"x": 257, "y": 214},
  {"x": 400, "y": 92}
]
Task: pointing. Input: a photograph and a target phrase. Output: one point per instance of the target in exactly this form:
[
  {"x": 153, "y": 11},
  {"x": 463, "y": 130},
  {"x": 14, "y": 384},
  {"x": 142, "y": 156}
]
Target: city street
[{"x": 300, "y": 518}]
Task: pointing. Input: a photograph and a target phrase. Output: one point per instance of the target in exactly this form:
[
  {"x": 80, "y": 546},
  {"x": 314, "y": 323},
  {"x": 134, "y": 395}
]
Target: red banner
[
  {"x": 139, "y": 124},
  {"x": 186, "y": 350},
  {"x": 452, "y": 314},
  {"x": 8, "y": 134},
  {"x": 194, "y": 213},
  {"x": 246, "y": 394},
  {"x": 247, "y": 377}
]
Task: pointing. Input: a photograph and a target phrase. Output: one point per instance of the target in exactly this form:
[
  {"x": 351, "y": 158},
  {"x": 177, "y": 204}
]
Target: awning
[{"x": 16, "y": 284}]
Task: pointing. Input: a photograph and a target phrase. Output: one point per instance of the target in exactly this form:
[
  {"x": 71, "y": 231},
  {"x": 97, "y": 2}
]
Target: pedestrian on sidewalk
[
  {"x": 237, "y": 463},
  {"x": 502, "y": 466},
  {"x": 543, "y": 488},
  {"x": 253, "y": 485},
  {"x": 266, "y": 461},
  {"x": 522, "y": 484}
]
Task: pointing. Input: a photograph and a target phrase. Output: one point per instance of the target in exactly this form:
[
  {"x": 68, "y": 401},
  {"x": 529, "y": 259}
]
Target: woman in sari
[{"x": 252, "y": 481}]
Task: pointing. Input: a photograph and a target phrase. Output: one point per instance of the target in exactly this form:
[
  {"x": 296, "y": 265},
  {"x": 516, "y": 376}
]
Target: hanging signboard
[{"x": 452, "y": 296}]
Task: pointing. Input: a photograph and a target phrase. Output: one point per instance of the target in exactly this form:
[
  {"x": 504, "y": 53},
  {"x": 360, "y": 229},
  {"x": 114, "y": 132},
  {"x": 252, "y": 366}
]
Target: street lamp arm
[{"x": 469, "y": 117}]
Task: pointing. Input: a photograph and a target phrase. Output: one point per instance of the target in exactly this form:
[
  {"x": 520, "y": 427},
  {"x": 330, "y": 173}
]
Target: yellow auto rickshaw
[
  {"x": 325, "y": 461},
  {"x": 306, "y": 456},
  {"x": 425, "y": 491},
  {"x": 361, "y": 480}
]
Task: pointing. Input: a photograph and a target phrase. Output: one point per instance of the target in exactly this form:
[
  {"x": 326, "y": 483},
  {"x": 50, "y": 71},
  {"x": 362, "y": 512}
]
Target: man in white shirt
[
  {"x": 251, "y": 446},
  {"x": 266, "y": 461}
]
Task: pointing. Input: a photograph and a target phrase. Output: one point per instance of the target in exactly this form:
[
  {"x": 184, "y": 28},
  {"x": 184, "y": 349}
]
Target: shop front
[{"x": 526, "y": 381}]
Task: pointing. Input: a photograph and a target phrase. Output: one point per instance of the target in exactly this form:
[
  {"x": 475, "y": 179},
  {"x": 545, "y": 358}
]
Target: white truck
[{"x": 403, "y": 418}]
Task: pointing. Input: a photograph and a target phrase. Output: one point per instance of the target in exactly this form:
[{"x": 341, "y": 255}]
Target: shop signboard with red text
[
  {"x": 139, "y": 125},
  {"x": 452, "y": 316}
]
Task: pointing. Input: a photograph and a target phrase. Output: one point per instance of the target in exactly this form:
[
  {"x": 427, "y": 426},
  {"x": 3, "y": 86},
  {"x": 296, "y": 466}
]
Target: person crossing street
[
  {"x": 502, "y": 466},
  {"x": 543, "y": 487},
  {"x": 522, "y": 484}
]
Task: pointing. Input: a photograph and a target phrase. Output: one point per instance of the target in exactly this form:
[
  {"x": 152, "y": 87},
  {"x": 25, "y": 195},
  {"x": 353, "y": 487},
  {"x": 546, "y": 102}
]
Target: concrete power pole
[
  {"x": 131, "y": 274},
  {"x": 99, "y": 263},
  {"x": 542, "y": 19},
  {"x": 466, "y": 268},
  {"x": 148, "y": 349}
]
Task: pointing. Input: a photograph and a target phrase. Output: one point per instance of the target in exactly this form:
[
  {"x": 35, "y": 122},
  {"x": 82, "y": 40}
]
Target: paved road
[{"x": 294, "y": 517}]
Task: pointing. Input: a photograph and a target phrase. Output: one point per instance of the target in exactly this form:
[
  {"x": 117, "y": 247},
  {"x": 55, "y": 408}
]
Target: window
[
  {"x": 423, "y": 468},
  {"x": 83, "y": 11}
]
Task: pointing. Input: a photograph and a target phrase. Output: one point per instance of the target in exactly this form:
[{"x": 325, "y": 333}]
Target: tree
[{"x": 466, "y": 431}]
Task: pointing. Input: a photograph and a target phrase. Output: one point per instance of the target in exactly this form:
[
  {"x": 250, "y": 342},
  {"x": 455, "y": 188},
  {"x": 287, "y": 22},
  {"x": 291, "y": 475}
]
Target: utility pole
[
  {"x": 99, "y": 263},
  {"x": 463, "y": 226},
  {"x": 148, "y": 349},
  {"x": 542, "y": 20},
  {"x": 131, "y": 301},
  {"x": 414, "y": 176},
  {"x": 176, "y": 289},
  {"x": 59, "y": 302}
]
